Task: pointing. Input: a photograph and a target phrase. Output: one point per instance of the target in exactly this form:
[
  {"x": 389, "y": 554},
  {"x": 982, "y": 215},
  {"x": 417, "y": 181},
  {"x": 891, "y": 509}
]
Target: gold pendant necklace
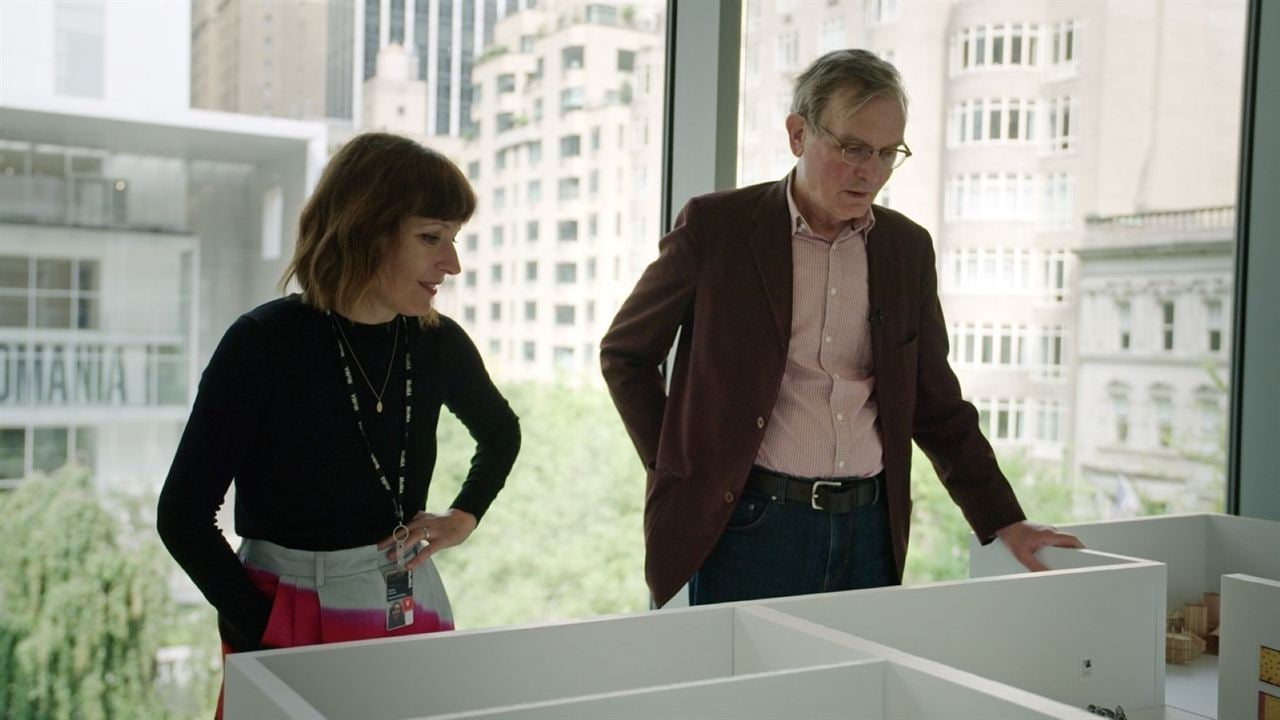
[{"x": 395, "y": 343}]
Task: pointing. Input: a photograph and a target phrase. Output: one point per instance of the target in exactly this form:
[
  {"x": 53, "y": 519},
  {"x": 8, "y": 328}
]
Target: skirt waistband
[{"x": 317, "y": 564}]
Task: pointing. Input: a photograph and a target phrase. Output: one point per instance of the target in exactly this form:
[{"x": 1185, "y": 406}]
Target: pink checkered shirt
[{"x": 824, "y": 423}]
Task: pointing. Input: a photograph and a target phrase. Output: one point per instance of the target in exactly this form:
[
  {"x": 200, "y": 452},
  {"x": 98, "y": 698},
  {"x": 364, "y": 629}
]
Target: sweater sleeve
[
  {"x": 224, "y": 423},
  {"x": 472, "y": 397}
]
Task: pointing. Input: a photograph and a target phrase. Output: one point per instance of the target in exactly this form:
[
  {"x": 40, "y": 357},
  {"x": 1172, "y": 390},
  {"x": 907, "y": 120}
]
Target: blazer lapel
[
  {"x": 770, "y": 241},
  {"x": 880, "y": 262}
]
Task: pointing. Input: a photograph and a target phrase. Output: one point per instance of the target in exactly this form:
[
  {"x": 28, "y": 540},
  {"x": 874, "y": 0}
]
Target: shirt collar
[{"x": 860, "y": 225}]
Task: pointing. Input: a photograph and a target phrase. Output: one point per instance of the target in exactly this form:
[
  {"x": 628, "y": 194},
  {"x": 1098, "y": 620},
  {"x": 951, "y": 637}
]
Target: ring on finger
[{"x": 426, "y": 535}]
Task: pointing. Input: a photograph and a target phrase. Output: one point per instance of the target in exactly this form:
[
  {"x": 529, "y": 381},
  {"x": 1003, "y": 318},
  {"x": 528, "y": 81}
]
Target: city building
[
  {"x": 442, "y": 38},
  {"x": 262, "y": 58},
  {"x": 565, "y": 163},
  {"x": 133, "y": 231},
  {"x": 1152, "y": 360}
]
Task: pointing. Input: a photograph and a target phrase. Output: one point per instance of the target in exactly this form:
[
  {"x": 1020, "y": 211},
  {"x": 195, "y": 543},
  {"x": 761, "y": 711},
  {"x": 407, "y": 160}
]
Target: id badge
[
  {"x": 399, "y": 598},
  {"x": 399, "y": 584},
  {"x": 400, "y": 613}
]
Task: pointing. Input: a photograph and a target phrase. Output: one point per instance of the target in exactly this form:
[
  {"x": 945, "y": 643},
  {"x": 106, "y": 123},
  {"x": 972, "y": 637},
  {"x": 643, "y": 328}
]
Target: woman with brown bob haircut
[{"x": 322, "y": 408}]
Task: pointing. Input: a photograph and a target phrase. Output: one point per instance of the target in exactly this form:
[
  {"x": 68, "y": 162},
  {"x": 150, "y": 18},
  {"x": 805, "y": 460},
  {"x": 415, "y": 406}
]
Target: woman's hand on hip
[{"x": 445, "y": 530}]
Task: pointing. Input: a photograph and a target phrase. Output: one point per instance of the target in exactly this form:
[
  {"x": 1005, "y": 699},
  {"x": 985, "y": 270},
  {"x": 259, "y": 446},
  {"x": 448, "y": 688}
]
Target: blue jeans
[{"x": 772, "y": 548}]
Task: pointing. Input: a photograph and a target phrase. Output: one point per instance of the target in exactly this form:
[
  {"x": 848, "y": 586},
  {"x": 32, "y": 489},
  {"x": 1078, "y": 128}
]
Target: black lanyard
[{"x": 397, "y": 495}]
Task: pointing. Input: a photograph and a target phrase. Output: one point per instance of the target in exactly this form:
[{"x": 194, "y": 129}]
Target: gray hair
[{"x": 859, "y": 72}]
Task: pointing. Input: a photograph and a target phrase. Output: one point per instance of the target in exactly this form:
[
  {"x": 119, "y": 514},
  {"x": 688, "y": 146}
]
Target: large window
[{"x": 1086, "y": 293}]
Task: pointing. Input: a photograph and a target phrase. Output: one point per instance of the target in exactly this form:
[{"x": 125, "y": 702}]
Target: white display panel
[
  {"x": 1251, "y": 622},
  {"x": 1030, "y": 631}
]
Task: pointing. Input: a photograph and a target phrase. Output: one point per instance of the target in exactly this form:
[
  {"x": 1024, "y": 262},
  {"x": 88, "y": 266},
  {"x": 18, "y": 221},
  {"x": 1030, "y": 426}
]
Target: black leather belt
[{"x": 834, "y": 496}]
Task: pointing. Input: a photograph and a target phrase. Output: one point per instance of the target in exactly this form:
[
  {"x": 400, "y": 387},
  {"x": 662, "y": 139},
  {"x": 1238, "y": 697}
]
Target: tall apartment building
[
  {"x": 262, "y": 58},
  {"x": 565, "y": 163},
  {"x": 1025, "y": 118}
]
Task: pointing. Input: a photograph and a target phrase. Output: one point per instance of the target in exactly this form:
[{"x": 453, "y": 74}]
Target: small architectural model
[{"x": 1193, "y": 630}]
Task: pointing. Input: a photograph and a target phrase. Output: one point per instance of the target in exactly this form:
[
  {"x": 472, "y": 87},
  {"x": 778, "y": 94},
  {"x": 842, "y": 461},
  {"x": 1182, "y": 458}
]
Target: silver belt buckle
[{"x": 813, "y": 495}]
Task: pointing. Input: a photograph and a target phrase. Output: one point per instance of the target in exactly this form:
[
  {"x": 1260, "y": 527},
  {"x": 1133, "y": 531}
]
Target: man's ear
[{"x": 796, "y": 130}]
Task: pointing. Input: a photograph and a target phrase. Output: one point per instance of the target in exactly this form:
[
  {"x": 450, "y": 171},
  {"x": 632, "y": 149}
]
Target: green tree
[
  {"x": 939, "y": 545},
  {"x": 80, "y": 606},
  {"x": 564, "y": 538}
]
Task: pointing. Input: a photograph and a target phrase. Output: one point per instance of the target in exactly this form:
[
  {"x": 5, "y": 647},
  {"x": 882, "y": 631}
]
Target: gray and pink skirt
[{"x": 338, "y": 595}]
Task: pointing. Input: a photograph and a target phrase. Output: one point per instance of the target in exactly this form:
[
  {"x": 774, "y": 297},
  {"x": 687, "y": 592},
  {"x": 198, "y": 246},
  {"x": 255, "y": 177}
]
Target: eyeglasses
[{"x": 856, "y": 154}]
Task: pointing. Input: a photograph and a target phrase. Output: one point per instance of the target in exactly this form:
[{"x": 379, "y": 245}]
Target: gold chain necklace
[{"x": 395, "y": 343}]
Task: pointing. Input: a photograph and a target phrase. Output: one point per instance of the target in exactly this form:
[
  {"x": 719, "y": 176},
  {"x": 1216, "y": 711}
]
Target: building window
[
  {"x": 531, "y": 231},
  {"x": 473, "y": 170},
  {"x": 498, "y": 238},
  {"x": 472, "y": 243},
  {"x": 562, "y": 358},
  {"x": 469, "y": 313},
  {"x": 571, "y": 58},
  {"x": 595, "y": 139},
  {"x": 54, "y": 293},
  {"x": 534, "y": 191},
  {"x": 833, "y": 34},
  {"x": 1209, "y": 410},
  {"x": 1166, "y": 325},
  {"x": 1124, "y": 323},
  {"x": 1214, "y": 324},
  {"x": 1120, "y": 414},
  {"x": 566, "y": 273},
  {"x": 499, "y": 198},
  {"x": 788, "y": 44},
  {"x": 495, "y": 273},
  {"x": 570, "y": 146},
  {"x": 1060, "y": 126},
  {"x": 571, "y": 99},
  {"x": 1049, "y": 416},
  {"x": 535, "y": 152},
  {"x": 1063, "y": 43},
  {"x": 1162, "y": 407},
  {"x": 529, "y": 351},
  {"x": 568, "y": 230},
  {"x": 985, "y": 120},
  {"x": 505, "y": 121},
  {"x": 626, "y": 61},
  {"x": 569, "y": 188},
  {"x": 880, "y": 12},
  {"x": 531, "y": 271},
  {"x": 495, "y": 311},
  {"x": 469, "y": 278},
  {"x": 566, "y": 315},
  {"x": 1013, "y": 44},
  {"x": 530, "y": 311},
  {"x": 1049, "y": 356},
  {"x": 506, "y": 83}
]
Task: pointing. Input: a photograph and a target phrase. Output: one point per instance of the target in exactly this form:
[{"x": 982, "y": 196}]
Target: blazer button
[
  {"x": 760, "y": 422},
  {"x": 728, "y": 496}
]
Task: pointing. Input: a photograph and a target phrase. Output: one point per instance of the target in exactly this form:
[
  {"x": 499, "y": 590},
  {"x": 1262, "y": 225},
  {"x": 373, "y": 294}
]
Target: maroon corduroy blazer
[{"x": 723, "y": 279}]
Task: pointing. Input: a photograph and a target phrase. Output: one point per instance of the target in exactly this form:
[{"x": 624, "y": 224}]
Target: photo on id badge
[{"x": 399, "y": 598}]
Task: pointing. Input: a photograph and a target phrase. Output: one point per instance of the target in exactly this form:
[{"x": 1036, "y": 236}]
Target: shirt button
[
  {"x": 826, "y": 339},
  {"x": 759, "y": 422},
  {"x": 833, "y": 291},
  {"x": 728, "y": 496},
  {"x": 840, "y": 464},
  {"x": 836, "y": 376},
  {"x": 839, "y": 416}
]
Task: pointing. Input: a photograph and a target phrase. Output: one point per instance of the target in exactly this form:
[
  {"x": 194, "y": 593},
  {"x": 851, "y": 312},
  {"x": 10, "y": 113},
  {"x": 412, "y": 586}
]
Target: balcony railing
[{"x": 1211, "y": 218}]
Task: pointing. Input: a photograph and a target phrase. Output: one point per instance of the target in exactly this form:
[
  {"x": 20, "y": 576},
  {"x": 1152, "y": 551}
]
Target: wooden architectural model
[{"x": 1193, "y": 630}]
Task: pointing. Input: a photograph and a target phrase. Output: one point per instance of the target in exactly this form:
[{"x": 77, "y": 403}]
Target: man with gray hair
[{"x": 812, "y": 351}]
